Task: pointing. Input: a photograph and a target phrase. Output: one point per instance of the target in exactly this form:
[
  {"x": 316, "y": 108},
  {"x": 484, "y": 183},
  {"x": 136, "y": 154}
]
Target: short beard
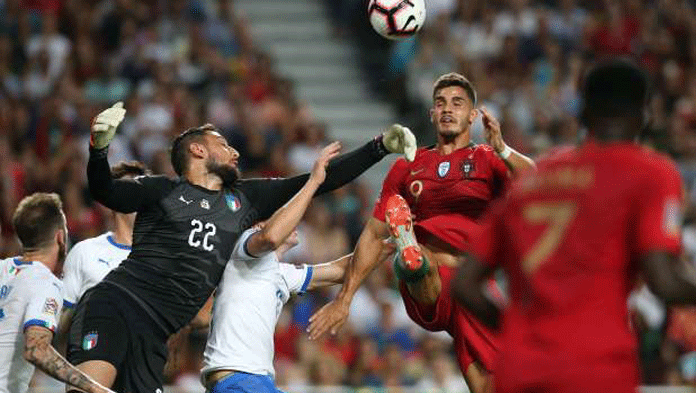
[
  {"x": 227, "y": 173},
  {"x": 449, "y": 136}
]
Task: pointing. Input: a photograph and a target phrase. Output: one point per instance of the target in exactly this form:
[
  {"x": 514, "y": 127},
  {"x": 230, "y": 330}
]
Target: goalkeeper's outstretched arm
[
  {"x": 123, "y": 195},
  {"x": 342, "y": 170}
]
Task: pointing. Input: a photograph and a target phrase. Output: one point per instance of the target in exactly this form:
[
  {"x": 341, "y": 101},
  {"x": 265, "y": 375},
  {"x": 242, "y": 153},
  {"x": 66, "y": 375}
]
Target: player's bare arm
[
  {"x": 517, "y": 161},
  {"x": 284, "y": 220},
  {"x": 468, "y": 289},
  {"x": 669, "y": 278},
  {"x": 367, "y": 256},
  {"x": 61, "y": 337},
  {"x": 331, "y": 273},
  {"x": 39, "y": 352},
  {"x": 202, "y": 319}
]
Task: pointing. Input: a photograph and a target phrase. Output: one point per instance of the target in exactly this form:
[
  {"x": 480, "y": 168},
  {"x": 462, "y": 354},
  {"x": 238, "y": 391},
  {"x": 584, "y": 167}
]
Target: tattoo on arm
[{"x": 39, "y": 351}]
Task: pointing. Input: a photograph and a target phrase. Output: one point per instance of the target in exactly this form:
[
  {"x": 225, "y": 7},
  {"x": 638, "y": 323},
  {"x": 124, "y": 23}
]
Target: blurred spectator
[
  {"x": 311, "y": 138},
  {"x": 442, "y": 377}
]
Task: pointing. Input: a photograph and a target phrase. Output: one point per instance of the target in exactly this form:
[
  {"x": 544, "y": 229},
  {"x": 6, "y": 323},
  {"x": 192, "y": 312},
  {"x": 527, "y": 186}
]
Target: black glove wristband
[
  {"x": 378, "y": 150},
  {"x": 98, "y": 153}
]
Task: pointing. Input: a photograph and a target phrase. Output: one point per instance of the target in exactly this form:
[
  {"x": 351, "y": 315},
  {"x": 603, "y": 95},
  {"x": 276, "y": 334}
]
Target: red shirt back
[
  {"x": 567, "y": 238},
  {"x": 446, "y": 193}
]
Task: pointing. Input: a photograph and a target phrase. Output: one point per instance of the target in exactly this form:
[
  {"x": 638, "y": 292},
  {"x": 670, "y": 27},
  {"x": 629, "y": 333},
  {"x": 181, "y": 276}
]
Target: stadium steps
[{"x": 325, "y": 71}]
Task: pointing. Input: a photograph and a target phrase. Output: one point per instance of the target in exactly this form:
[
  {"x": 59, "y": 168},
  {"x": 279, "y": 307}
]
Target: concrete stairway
[{"x": 298, "y": 35}]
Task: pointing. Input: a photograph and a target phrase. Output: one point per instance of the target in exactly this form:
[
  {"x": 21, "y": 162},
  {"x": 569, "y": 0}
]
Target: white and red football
[{"x": 396, "y": 19}]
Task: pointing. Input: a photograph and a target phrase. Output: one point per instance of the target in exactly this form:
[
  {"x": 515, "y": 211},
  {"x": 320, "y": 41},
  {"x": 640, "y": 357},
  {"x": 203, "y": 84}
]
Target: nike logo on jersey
[
  {"x": 103, "y": 261},
  {"x": 417, "y": 171},
  {"x": 182, "y": 199}
]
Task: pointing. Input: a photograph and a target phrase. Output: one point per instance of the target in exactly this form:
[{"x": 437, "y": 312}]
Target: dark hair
[
  {"x": 614, "y": 88},
  {"x": 179, "y": 151},
  {"x": 128, "y": 168},
  {"x": 455, "y": 79},
  {"x": 37, "y": 218}
]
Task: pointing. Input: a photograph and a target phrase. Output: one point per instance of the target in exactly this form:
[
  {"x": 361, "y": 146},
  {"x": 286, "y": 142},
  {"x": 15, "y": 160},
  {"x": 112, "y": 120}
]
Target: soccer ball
[{"x": 396, "y": 19}]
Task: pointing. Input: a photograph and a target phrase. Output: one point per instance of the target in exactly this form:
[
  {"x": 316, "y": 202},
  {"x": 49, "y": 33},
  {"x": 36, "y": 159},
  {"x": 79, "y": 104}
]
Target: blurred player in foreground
[
  {"x": 448, "y": 186},
  {"x": 30, "y": 298},
  {"x": 571, "y": 239}
]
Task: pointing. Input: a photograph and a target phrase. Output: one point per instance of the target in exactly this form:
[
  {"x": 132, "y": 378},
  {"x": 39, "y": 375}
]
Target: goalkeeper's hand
[
  {"x": 399, "y": 139},
  {"x": 105, "y": 124}
]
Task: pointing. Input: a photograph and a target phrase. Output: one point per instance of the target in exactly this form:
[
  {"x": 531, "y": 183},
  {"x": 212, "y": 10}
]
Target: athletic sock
[{"x": 408, "y": 275}]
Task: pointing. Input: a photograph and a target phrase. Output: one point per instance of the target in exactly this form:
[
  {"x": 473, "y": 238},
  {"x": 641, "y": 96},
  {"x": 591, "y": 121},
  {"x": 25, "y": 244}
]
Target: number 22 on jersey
[
  {"x": 194, "y": 240},
  {"x": 556, "y": 216}
]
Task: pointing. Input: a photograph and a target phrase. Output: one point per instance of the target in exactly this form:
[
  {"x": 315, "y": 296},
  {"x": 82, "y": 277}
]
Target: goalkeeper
[{"x": 183, "y": 236}]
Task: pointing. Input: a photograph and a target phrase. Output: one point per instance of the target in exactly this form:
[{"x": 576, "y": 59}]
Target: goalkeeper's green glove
[
  {"x": 105, "y": 124},
  {"x": 399, "y": 139}
]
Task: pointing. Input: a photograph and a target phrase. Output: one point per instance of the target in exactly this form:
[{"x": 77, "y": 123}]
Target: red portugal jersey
[
  {"x": 568, "y": 237},
  {"x": 446, "y": 193}
]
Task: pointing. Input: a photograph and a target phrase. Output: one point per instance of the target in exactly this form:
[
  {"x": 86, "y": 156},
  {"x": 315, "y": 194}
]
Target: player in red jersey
[
  {"x": 572, "y": 238},
  {"x": 447, "y": 187}
]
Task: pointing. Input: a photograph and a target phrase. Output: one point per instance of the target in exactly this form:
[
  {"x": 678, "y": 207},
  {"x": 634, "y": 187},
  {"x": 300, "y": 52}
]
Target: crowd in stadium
[{"x": 183, "y": 63}]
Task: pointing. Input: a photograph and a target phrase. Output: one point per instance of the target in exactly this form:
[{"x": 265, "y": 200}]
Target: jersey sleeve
[
  {"x": 44, "y": 304},
  {"x": 501, "y": 174},
  {"x": 240, "y": 252},
  {"x": 268, "y": 195},
  {"x": 390, "y": 186},
  {"x": 122, "y": 195},
  {"x": 659, "y": 211},
  {"x": 296, "y": 277},
  {"x": 72, "y": 276}
]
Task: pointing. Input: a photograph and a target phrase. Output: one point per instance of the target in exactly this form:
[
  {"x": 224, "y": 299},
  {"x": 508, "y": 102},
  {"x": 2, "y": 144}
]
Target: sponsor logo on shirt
[
  {"x": 443, "y": 169},
  {"x": 90, "y": 341},
  {"x": 182, "y": 199},
  {"x": 233, "y": 203},
  {"x": 205, "y": 204},
  {"x": 50, "y": 307}
]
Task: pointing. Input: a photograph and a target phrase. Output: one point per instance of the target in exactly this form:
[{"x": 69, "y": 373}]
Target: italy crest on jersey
[
  {"x": 443, "y": 169},
  {"x": 90, "y": 341},
  {"x": 233, "y": 202}
]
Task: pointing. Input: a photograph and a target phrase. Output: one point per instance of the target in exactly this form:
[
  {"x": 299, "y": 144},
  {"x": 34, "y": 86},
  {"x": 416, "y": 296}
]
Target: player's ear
[
  {"x": 472, "y": 115},
  {"x": 61, "y": 239},
  {"x": 432, "y": 115},
  {"x": 197, "y": 150}
]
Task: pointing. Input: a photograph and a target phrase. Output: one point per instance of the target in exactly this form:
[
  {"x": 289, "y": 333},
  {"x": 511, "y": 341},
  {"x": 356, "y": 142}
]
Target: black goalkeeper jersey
[{"x": 184, "y": 234}]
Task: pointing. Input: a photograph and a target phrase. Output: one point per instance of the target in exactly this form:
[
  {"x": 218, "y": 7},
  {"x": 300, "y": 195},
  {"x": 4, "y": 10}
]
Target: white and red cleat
[{"x": 410, "y": 258}]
